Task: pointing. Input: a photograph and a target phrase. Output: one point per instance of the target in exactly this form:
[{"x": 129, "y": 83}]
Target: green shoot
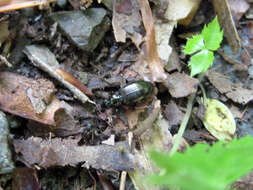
[
  {"x": 205, "y": 167},
  {"x": 202, "y": 46}
]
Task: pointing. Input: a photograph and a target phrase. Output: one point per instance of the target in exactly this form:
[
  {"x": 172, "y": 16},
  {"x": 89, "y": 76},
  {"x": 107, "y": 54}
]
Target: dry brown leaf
[
  {"x": 173, "y": 114},
  {"x": 132, "y": 117},
  {"x": 43, "y": 58},
  {"x": 62, "y": 152},
  {"x": 238, "y": 8},
  {"x": 181, "y": 85},
  {"x": 10, "y": 5},
  {"x": 126, "y": 19},
  {"x": 15, "y": 99},
  {"x": 233, "y": 91},
  {"x": 152, "y": 57}
]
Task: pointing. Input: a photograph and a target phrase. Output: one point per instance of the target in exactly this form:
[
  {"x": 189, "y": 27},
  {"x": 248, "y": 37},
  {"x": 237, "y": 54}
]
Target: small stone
[{"x": 84, "y": 28}]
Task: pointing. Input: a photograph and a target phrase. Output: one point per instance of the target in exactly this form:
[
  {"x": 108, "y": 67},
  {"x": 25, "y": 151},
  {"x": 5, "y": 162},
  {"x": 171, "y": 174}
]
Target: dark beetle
[{"x": 131, "y": 94}]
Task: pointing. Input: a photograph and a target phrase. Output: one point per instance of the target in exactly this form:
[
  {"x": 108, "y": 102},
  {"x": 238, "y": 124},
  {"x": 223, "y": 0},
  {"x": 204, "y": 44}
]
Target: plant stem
[
  {"x": 203, "y": 92},
  {"x": 186, "y": 118},
  {"x": 183, "y": 124}
]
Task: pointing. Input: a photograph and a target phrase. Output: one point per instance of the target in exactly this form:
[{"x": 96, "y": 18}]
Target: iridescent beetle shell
[{"x": 131, "y": 94}]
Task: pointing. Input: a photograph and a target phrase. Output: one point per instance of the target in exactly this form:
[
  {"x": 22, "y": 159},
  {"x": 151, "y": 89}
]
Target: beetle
[{"x": 131, "y": 94}]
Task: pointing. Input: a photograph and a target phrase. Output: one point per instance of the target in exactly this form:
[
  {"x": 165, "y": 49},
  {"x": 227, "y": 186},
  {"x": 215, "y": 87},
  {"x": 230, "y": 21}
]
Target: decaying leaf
[
  {"x": 126, "y": 19},
  {"x": 31, "y": 99},
  {"x": 45, "y": 60},
  {"x": 152, "y": 57},
  {"x": 238, "y": 8},
  {"x": 218, "y": 120},
  {"x": 173, "y": 114},
  {"x": 10, "y": 5},
  {"x": 181, "y": 85},
  {"x": 62, "y": 152},
  {"x": 234, "y": 91}
]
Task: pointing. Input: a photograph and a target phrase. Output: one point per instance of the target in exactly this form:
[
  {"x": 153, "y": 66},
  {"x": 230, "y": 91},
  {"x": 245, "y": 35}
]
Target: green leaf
[
  {"x": 194, "y": 44},
  {"x": 201, "y": 61},
  {"x": 205, "y": 167},
  {"x": 212, "y": 35}
]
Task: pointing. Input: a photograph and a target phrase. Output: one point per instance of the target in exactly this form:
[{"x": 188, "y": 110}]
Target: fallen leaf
[
  {"x": 14, "y": 98},
  {"x": 173, "y": 114},
  {"x": 238, "y": 8},
  {"x": 178, "y": 10},
  {"x": 43, "y": 58},
  {"x": 126, "y": 19},
  {"x": 233, "y": 91},
  {"x": 218, "y": 120},
  {"x": 151, "y": 56},
  {"x": 10, "y": 5},
  {"x": 181, "y": 85},
  {"x": 62, "y": 152},
  {"x": 132, "y": 117}
]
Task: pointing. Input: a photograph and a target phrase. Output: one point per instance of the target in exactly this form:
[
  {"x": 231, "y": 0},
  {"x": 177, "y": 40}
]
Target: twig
[
  {"x": 5, "y": 61},
  {"x": 123, "y": 180}
]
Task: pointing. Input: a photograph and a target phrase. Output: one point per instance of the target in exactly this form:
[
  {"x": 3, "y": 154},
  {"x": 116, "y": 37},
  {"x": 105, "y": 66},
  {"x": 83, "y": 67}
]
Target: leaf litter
[{"x": 72, "y": 133}]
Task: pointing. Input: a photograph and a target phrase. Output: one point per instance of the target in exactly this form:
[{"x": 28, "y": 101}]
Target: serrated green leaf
[
  {"x": 205, "y": 167},
  {"x": 201, "y": 61},
  {"x": 194, "y": 44},
  {"x": 212, "y": 35}
]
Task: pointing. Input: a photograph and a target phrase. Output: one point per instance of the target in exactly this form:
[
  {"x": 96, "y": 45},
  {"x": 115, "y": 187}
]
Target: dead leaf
[
  {"x": 132, "y": 117},
  {"x": 238, "y": 8},
  {"x": 43, "y": 58},
  {"x": 178, "y": 10},
  {"x": 192, "y": 6},
  {"x": 62, "y": 152},
  {"x": 233, "y": 91},
  {"x": 173, "y": 114},
  {"x": 10, "y": 5},
  {"x": 163, "y": 31},
  {"x": 14, "y": 98},
  {"x": 151, "y": 56},
  {"x": 181, "y": 85},
  {"x": 126, "y": 19}
]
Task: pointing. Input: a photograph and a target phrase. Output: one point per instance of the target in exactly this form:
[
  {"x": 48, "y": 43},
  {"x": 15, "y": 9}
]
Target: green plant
[
  {"x": 203, "y": 167},
  {"x": 202, "y": 46}
]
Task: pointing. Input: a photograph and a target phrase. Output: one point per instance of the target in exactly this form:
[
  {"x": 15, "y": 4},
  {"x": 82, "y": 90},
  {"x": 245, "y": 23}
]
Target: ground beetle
[{"x": 131, "y": 94}]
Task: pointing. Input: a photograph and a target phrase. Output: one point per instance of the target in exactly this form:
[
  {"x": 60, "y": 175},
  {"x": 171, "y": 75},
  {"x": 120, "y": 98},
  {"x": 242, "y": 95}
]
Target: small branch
[
  {"x": 123, "y": 180},
  {"x": 5, "y": 61}
]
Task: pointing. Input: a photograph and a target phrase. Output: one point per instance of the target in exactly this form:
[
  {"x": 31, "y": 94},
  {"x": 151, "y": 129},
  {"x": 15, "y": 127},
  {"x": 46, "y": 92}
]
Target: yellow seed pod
[{"x": 218, "y": 120}]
